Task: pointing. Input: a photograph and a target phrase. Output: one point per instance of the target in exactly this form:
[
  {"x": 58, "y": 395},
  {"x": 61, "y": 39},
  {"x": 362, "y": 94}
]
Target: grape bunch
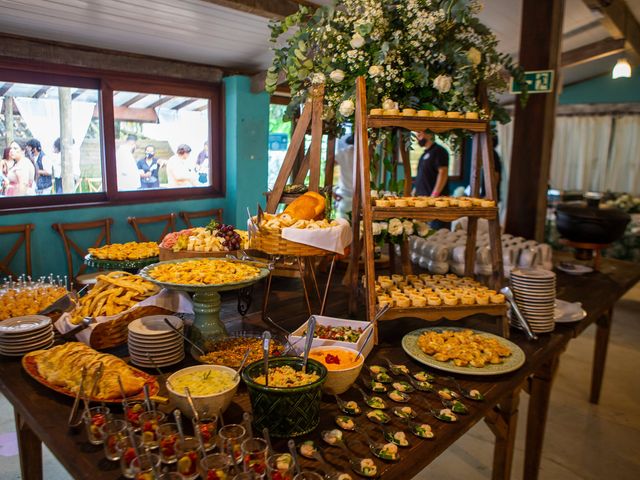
[{"x": 232, "y": 240}]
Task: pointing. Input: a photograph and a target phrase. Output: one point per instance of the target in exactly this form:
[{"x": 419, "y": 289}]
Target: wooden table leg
[
  {"x": 30, "y": 449},
  {"x": 600, "y": 355},
  {"x": 502, "y": 422},
  {"x": 540, "y": 392}
]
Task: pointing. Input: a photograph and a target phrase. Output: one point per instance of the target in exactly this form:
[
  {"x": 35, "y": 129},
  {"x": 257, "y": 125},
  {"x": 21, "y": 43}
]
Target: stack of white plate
[
  {"x": 535, "y": 293},
  {"x": 151, "y": 336},
  {"x": 20, "y": 335}
]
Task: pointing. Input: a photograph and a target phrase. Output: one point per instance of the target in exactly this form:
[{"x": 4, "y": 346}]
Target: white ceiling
[{"x": 198, "y": 31}]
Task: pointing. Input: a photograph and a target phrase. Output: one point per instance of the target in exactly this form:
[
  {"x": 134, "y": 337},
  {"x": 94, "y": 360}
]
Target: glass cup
[
  {"x": 127, "y": 453},
  {"x": 94, "y": 419},
  {"x": 246, "y": 476},
  {"x": 149, "y": 422},
  {"x": 308, "y": 476},
  {"x": 188, "y": 457},
  {"x": 231, "y": 437},
  {"x": 170, "y": 476},
  {"x": 112, "y": 432},
  {"x": 132, "y": 411},
  {"x": 215, "y": 466},
  {"x": 167, "y": 437},
  {"x": 254, "y": 455},
  {"x": 280, "y": 466},
  {"x": 207, "y": 427},
  {"x": 146, "y": 466}
]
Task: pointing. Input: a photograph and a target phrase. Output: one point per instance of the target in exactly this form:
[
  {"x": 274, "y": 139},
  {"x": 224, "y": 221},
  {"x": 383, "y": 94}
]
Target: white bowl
[
  {"x": 211, "y": 403},
  {"x": 340, "y": 380}
]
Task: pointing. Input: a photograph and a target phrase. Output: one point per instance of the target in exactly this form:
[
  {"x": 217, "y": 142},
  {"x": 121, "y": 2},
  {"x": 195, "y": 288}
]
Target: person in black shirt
[
  {"x": 148, "y": 168},
  {"x": 433, "y": 167}
]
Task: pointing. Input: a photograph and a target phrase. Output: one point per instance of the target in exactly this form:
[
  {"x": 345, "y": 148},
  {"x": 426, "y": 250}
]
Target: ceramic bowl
[{"x": 339, "y": 380}]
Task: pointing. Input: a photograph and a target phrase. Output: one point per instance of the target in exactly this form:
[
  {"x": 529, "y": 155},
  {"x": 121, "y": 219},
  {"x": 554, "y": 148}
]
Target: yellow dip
[{"x": 334, "y": 358}]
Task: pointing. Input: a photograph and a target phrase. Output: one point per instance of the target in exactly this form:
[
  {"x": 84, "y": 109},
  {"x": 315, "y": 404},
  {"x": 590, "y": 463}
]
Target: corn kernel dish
[{"x": 203, "y": 272}]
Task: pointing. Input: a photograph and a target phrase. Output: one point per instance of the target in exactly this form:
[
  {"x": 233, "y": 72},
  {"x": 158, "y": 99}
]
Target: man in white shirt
[{"x": 344, "y": 190}]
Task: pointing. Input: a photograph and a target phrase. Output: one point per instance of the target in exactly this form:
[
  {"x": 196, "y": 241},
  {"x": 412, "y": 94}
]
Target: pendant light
[{"x": 622, "y": 69}]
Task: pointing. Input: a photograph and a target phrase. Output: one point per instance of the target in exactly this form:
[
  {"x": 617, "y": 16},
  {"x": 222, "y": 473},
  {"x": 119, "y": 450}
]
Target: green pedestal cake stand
[
  {"x": 207, "y": 326},
  {"x": 131, "y": 266}
]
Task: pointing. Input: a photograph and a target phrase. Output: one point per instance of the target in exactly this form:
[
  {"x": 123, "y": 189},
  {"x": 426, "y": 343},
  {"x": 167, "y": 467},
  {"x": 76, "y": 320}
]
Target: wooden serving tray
[{"x": 29, "y": 365}]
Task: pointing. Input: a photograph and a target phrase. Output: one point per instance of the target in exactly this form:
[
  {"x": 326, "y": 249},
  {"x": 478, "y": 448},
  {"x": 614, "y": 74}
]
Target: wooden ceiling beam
[
  {"x": 619, "y": 20},
  {"x": 43, "y": 91},
  {"x": 77, "y": 93},
  {"x": 592, "y": 51},
  {"x": 159, "y": 102},
  {"x": 134, "y": 99},
  {"x": 5, "y": 88},
  {"x": 263, "y": 8},
  {"x": 185, "y": 103}
]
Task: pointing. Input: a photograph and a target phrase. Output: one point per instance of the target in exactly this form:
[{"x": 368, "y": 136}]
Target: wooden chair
[
  {"x": 136, "y": 222},
  {"x": 71, "y": 247},
  {"x": 214, "y": 212},
  {"x": 24, "y": 238}
]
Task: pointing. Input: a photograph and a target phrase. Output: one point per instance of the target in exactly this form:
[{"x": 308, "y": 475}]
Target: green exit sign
[{"x": 538, "y": 81}]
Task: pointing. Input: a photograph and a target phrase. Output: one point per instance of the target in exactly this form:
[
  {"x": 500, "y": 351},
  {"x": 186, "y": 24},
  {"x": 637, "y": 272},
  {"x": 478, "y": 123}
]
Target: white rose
[
  {"x": 442, "y": 83},
  {"x": 337, "y": 75},
  {"x": 384, "y": 225},
  {"x": 408, "y": 227},
  {"x": 395, "y": 227},
  {"x": 376, "y": 70},
  {"x": 347, "y": 108},
  {"x": 357, "y": 41},
  {"x": 474, "y": 56},
  {"x": 389, "y": 104},
  {"x": 352, "y": 53},
  {"x": 317, "y": 78},
  {"x": 377, "y": 230},
  {"x": 422, "y": 229},
  {"x": 374, "y": 194}
]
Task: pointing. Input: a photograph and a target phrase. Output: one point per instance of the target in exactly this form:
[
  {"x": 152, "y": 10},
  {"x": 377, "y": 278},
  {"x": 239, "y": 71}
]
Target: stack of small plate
[
  {"x": 20, "y": 335},
  {"x": 151, "y": 336},
  {"x": 535, "y": 293}
]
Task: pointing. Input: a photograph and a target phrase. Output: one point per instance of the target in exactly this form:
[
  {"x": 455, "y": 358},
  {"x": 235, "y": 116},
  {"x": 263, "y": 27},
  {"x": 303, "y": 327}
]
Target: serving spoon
[
  {"x": 266, "y": 342},
  {"x": 311, "y": 328}
]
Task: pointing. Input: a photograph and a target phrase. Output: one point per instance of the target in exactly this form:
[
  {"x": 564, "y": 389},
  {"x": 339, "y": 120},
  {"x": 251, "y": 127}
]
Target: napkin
[{"x": 334, "y": 239}]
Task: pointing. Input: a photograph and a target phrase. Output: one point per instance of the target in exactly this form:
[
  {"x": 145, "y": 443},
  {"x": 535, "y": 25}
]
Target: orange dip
[{"x": 335, "y": 359}]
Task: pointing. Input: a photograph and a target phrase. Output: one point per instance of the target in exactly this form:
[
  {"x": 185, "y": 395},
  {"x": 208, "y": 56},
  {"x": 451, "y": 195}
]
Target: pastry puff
[
  {"x": 402, "y": 302},
  {"x": 382, "y": 202},
  {"x": 434, "y": 300},
  {"x": 482, "y": 298},
  {"x": 418, "y": 301},
  {"x": 497, "y": 298},
  {"x": 467, "y": 299},
  {"x": 450, "y": 300},
  {"x": 401, "y": 202}
]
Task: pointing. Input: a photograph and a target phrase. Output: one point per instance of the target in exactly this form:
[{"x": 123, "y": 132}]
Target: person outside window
[
  {"x": 43, "y": 166},
  {"x": 20, "y": 176},
  {"x": 202, "y": 164},
  {"x": 148, "y": 168},
  {"x": 128, "y": 175},
  {"x": 180, "y": 171},
  {"x": 433, "y": 171},
  {"x": 5, "y": 164},
  {"x": 344, "y": 191}
]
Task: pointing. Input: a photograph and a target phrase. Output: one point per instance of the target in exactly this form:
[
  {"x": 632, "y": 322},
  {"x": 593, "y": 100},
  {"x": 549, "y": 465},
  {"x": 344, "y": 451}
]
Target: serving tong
[{"x": 95, "y": 378}]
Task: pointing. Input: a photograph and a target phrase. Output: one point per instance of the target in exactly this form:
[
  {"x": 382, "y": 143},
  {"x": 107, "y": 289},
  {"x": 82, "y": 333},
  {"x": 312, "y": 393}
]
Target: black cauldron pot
[{"x": 579, "y": 222}]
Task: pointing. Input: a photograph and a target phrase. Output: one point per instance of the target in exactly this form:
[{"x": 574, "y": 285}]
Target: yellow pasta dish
[
  {"x": 126, "y": 251},
  {"x": 203, "y": 272}
]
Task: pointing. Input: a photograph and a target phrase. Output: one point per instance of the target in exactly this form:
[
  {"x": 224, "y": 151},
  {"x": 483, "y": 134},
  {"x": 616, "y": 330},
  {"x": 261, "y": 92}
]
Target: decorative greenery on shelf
[{"x": 423, "y": 54}]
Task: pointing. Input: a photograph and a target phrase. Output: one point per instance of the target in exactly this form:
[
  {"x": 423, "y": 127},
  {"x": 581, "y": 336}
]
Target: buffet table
[{"x": 41, "y": 414}]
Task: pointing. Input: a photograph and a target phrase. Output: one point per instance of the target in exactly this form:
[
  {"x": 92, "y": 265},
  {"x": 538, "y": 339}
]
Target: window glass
[
  {"x": 279, "y": 138},
  {"x": 162, "y": 141},
  {"x": 50, "y": 140}
]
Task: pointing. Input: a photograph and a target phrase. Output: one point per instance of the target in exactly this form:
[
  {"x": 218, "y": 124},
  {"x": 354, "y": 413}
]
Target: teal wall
[
  {"x": 247, "y": 125},
  {"x": 603, "y": 89}
]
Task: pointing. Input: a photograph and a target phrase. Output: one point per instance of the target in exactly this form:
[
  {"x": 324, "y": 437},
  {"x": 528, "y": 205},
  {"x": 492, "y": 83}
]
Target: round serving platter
[
  {"x": 128, "y": 265},
  {"x": 511, "y": 363}
]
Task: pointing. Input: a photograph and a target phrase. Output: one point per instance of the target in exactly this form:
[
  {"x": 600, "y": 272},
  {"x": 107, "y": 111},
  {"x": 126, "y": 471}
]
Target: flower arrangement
[
  {"x": 398, "y": 229},
  {"x": 423, "y": 54}
]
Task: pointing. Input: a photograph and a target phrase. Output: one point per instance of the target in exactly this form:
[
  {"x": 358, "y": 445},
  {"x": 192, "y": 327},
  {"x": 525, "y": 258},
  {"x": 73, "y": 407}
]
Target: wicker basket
[
  {"x": 114, "y": 332},
  {"x": 274, "y": 244}
]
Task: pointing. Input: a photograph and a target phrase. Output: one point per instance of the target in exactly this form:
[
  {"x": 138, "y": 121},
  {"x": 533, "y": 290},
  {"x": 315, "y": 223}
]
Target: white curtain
[
  {"x": 623, "y": 174},
  {"x": 180, "y": 126},
  {"x": 42, "y": 116},
  {"x": 580, "y": 152},
  {"x": 505, "y": 143}
]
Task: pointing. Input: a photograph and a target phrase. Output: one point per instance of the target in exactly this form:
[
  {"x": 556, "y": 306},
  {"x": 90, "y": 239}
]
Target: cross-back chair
[
  {"x": 187, "y": 217},
  {"x": 24, "y": 238},
  {"x": 136, "y": 222}
]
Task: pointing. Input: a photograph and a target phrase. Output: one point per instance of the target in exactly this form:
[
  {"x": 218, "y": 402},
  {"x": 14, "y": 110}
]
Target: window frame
[{"x": 20, "y": 71}]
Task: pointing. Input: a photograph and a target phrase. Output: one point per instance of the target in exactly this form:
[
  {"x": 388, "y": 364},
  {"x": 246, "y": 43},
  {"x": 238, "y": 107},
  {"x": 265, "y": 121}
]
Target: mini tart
[
  {"x": 471, "y": 115},
  {"x": 467, "y": 299},
  {"x": 391, "y": 111},
  {"x": 403, "y": 302},
  {"x": 438, "y": 114},
  {"x": 453, "y": 201},
  {"x": 384, "y": 277},
  {"x": 464, "y": 203},
  {"x": 401, "y": 202},
  {"x": 431, "y": 201},
  {"x": 487, "y": 203},
  {"x": 434, "y": 300},
  {"x": 497, "y": 298},
  {"x": 418, "y": 301},
  {"x": 384, "y": 301},
  {"x": 382, "y": 203},
  {"x": 482, "y": 299},
  {"x": 420, "y": 203},
  {"x": 397, "y": 278},
  {"x": 454, "y": 115},
  {"x": 425, "y": 113},
  {"x": 476, "y": 201},
  {"x": 450, "y": 300},
  {"x": 376, "y": 111},
  {"x": 392, "y": 201},
  {"x": 386, "y": 283},
  {"x": 411, "y": 277},
  {"x": 408, "y": 112},
  {"x": 442, "y": 203}
]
